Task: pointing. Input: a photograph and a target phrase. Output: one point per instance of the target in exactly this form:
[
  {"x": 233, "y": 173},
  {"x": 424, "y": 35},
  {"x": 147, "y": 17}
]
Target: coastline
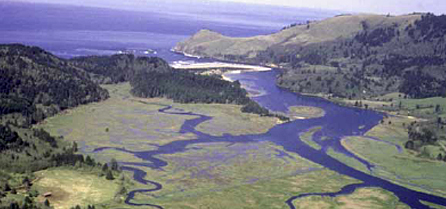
[
  {"x": 217, "y": 65},
  {"x": 238, "y": 68}
]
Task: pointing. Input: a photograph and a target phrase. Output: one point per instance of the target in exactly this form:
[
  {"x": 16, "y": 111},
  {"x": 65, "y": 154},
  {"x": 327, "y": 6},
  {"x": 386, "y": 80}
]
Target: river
[
  {"x": 339, "y": 121},
  {"x": 69, "y": 31}
]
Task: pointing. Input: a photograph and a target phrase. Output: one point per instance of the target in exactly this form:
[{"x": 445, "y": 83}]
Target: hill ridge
[{"x": 345, "y": 55}]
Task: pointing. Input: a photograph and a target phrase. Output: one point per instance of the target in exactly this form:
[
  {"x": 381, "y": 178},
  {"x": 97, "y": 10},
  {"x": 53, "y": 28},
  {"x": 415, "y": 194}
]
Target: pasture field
[
  {"x": 71, "y": 187},
  {"x": 396, "y": 104},
  {"x": 401, "y": 167}
]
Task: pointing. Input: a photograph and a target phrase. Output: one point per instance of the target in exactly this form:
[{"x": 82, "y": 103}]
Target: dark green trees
[
  {"x": 38, "y": 84},
  {"x": 109, "y": 175},
  {"x": 187, "y": 88},
  {"x": 105, "y": 167},
  {"x": 114, "y": 165}
]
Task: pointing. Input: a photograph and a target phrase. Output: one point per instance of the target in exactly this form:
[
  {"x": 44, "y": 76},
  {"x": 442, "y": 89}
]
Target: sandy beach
[
  {"x": 220, "y": 68},
  {"x": 213, "y": 65}
]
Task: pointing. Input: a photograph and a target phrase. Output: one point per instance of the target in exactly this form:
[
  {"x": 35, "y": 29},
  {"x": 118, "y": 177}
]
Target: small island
[{"x": 304, "y": 112}]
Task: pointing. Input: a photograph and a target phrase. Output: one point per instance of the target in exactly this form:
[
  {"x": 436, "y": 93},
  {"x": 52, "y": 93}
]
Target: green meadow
[
  {"x": 307, "y": 137},
  {"x": 136, "y": 124},
  {"x": 208, "y": 175},
  {"x": 362, "y": 198},
  {"x": 69, "y": 187},
  {"x": 404, "y": 167}
]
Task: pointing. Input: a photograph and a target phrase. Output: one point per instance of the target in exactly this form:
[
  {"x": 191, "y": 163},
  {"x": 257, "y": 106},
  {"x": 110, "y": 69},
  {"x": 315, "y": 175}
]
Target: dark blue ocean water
[{"x": 69, "y": 31}]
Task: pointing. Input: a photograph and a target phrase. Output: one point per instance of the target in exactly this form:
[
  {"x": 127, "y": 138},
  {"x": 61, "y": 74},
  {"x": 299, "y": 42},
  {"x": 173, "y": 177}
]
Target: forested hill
[
  {"x": 352, "y": 56},
  {"x": 119, "y": 68},
  {"x": 35, "y": 84},
  {"x": 153, "y": 77}
]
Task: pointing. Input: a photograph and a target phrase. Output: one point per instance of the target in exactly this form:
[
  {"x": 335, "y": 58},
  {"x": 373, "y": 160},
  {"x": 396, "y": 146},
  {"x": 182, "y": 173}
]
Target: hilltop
[
  {"x": 348, "y": 56},
  {"x": 36, "y": 84}
]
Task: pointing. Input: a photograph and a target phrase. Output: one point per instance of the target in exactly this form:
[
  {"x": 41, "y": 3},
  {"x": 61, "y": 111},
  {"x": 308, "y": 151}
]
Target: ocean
[{"x": 72, "y": 30}]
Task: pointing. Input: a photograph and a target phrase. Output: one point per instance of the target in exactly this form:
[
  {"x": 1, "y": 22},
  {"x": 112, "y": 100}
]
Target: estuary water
[
  {"x": 338, "y": 122},
  {"x": 70, "y": 31}
]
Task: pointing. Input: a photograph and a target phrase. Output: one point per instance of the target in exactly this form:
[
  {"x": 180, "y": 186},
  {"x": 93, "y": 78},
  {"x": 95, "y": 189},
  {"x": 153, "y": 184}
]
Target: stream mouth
[{"x": 337, "y": 123}]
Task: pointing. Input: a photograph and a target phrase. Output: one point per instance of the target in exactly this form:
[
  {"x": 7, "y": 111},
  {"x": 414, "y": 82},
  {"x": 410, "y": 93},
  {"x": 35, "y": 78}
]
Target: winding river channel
[{"x": 338, "y": 122}]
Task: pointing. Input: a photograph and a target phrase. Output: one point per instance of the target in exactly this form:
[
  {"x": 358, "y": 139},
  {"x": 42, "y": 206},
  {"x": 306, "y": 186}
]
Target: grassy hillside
[
  {"x": 212, "y": 44},
  {"x": 348, "y": 56}
]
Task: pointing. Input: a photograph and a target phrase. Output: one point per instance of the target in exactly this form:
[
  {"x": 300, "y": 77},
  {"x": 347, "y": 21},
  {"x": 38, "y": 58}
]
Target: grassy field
[
  {"x": 397, "y": 104},
  {"x": 208, "y": 175},
  {"x": 426, "y": 107},
  {"x": 136, "y": 124},
  {"x": 403, "y": 168},
  {"x": 362, "y": 198},
  {"x": 432, "y": 205},
  {"x": 352, "y": 162},
  {"x": 266, "y": 193},
  {"x": 216, "y": 166},
  {"x": 307, "y": 137},
  {"x": 72, "y": 187}
]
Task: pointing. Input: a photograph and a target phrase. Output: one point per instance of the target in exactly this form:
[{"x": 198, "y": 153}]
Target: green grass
[
  {"x": 362, "y": 198},
  {"x": 71, "y": 187},
  {"x": 403, "y": 168},
  {"x": 432, "y": 205},
  {"x": 219, "y": 166},
  {"x": 265, "y": 193},
  {"x": 133, "y": 123},
  {"x": 305, "y": 112},
  {"x": 307, "y": 137},
  {"x": 214, "y": 175},
  {"x": 352, "y": 162},
  {"x": 426, "y": 106}
]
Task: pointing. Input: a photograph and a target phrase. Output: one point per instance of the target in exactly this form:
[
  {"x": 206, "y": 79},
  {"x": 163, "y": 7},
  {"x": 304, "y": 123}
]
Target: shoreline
[
  {"x": 220, "y": 68},
  {"x": 238, "y": 68},
  {"x": 242, "y": 68}
]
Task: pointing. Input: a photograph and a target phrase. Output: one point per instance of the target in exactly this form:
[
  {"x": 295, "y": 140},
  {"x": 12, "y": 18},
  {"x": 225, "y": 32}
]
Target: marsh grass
[{"x": 362, "y": 198}]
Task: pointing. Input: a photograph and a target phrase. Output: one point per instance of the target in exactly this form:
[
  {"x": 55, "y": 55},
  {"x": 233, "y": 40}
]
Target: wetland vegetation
[
  {"x": 127, "y": 131},
  {"x": 36, "y": 85}
]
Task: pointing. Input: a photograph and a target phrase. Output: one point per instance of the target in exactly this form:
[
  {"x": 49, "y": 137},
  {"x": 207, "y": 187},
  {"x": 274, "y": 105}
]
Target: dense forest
[
  {"x": 187, "y": 88},
  {"x": 36, "y": 84},
  {"x": 118, "y": 68},
  {"x": 153, "y": 77}
]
